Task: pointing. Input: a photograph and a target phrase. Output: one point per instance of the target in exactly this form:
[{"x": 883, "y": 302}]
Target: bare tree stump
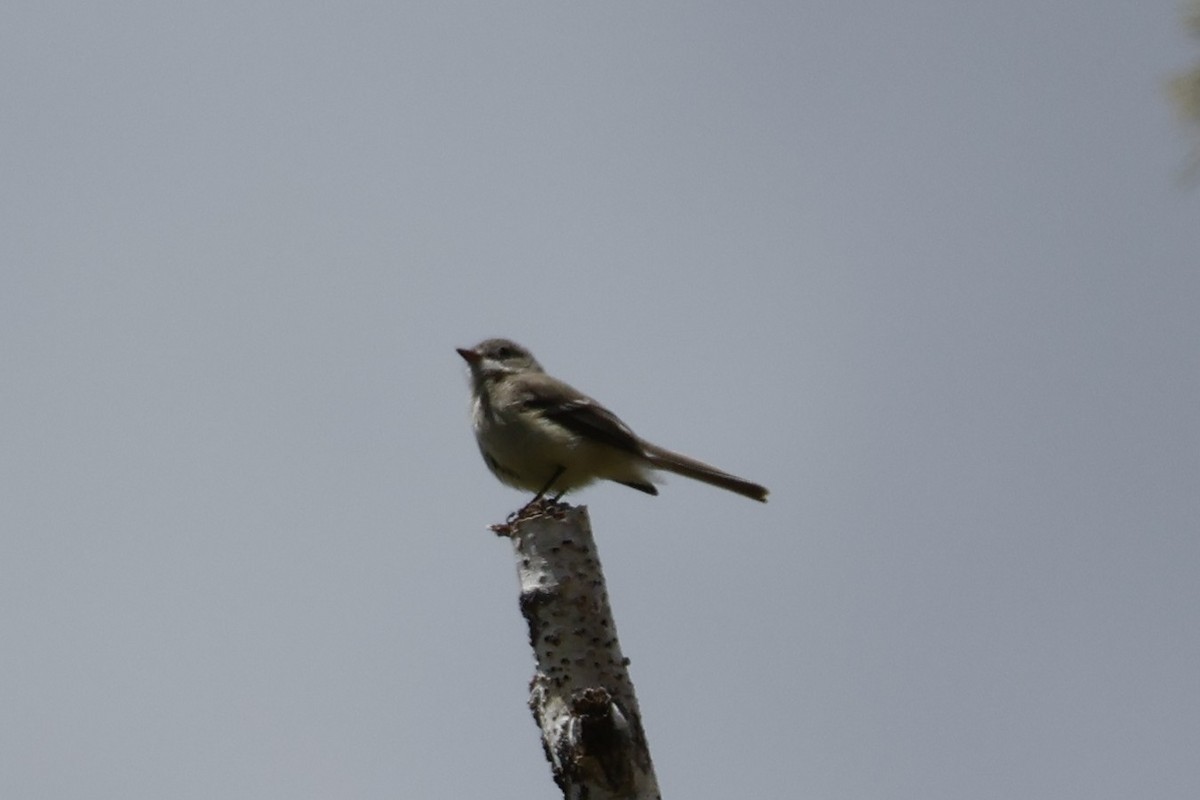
[{"x": 581, "y": 696}]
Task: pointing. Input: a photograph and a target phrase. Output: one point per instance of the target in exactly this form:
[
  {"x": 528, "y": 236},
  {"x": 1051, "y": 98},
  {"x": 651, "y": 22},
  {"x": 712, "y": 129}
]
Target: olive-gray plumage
[{"x": 540, "y": 434}]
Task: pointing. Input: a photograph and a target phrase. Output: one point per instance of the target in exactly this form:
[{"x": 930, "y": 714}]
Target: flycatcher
[{"x": 537, "y": 433}]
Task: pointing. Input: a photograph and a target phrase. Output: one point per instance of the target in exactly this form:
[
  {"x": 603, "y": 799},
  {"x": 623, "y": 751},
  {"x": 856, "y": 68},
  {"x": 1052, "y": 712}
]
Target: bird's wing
[{"x": 577, "y": 412}]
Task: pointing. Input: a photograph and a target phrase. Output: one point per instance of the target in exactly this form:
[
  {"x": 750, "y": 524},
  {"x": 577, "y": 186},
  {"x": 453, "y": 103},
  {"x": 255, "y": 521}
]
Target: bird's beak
[{"x": 470, "y": 356}]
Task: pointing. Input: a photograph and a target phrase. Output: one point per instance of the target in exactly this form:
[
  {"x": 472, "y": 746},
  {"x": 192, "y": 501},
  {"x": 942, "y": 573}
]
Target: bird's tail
[{"x": 661, "y": 458}]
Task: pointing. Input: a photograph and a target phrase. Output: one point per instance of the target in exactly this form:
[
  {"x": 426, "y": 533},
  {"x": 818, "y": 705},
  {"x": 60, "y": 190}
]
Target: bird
[{"x": 539, "y": 434}]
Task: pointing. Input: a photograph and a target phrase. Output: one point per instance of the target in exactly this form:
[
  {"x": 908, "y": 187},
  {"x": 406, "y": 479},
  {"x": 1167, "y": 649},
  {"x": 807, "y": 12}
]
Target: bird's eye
[{"x": 504, "y": 352}]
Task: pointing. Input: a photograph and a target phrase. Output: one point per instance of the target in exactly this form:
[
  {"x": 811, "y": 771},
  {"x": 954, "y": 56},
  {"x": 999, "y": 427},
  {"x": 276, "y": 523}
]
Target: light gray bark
[{"x": 581, "y": 695}]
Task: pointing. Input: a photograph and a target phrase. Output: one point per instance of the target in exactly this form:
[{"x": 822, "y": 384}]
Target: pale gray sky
[{"x": 926, "y": 270}]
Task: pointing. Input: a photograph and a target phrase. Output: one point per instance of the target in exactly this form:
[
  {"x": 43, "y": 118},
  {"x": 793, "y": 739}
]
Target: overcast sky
[{"x": 927, "y": 270}]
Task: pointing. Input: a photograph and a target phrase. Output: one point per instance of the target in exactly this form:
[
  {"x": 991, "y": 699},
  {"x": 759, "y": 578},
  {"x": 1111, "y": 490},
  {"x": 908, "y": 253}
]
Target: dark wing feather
[{"x": 579, "y": 414}]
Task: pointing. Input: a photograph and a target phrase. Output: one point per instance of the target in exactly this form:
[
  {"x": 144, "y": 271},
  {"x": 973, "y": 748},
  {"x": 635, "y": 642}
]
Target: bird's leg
[{"x": 557, "y": 474}]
